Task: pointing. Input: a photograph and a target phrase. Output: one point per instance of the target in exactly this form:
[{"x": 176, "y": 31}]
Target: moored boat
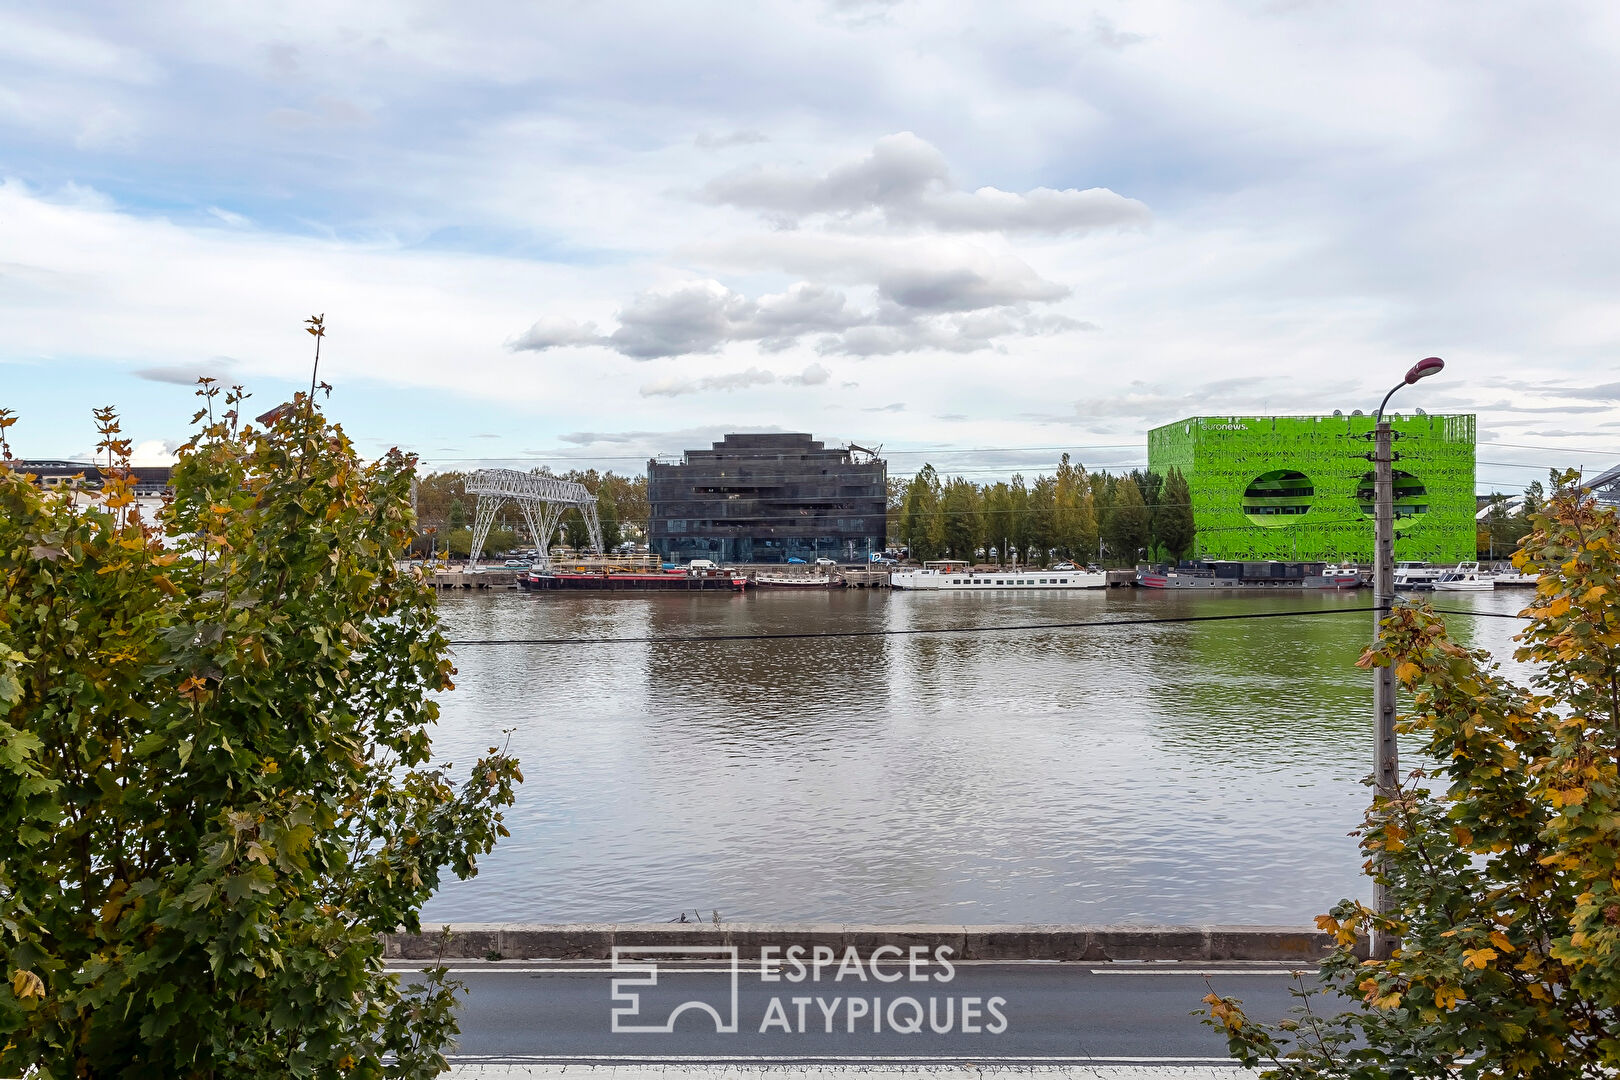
[
  {"x": 1514, "y": 578},
  {"x": 636, "y": 581},
  {"x": 1259, "y": 576},
  {"x": 966, "y": 580},
  {"x": 1466, "y": 578},
  {"x": 1342, "y": 577},
  {"x": 765, "y": 580},
  {"x": 1413, "y": 575}
]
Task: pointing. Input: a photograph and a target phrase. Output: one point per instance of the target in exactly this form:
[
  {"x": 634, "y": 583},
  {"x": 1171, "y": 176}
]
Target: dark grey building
[
  {"x": 768, "y": 498},
  {"x": 149, "y": 479}
]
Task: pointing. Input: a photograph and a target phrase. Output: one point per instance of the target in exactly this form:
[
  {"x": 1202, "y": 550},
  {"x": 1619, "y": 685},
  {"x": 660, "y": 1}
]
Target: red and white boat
[{"x": 637, "y": 581}]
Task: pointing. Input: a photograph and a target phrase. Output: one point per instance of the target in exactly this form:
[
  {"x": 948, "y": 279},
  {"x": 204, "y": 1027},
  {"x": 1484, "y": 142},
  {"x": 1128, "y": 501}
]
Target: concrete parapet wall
[{"x": 1087, "y": 943}]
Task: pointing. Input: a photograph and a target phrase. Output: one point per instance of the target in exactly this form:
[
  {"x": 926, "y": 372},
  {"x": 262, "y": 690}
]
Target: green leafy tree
[
  {"x": 1175, "y": 530},
  {"x": 215, "y": 778},
  {"x": 1127, "y": 528},
  {"x": 922, "y": 526},
  {"x": 1102, "y": 506},
  {"x": 575, "y": 534},
  {"x": 895, "y": 488},
  {"x": 498, "y": 541},
  {"x": 608, "y": 517},
  {"x": 1501, "y": 854},
  {"x": 1151, "y": 485},
  {"x": 1535, "y": 496},
  {"x": 1042, "y": 535},
  {"x": 1074, "y": 525},
  {"x": 1018, "y": 524},
  {"x": 963, "y": 523},
  {"x": 998, "y": 518}
]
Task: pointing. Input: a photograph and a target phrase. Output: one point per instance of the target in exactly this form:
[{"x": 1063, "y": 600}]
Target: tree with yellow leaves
[
  {"x": 1501, "y": 854},
  {"x": 216, "y": 784}
]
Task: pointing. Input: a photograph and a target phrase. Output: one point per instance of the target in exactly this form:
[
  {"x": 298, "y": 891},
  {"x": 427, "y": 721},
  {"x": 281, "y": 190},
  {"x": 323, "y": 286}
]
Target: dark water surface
[{"x": 1172, "y": 773}]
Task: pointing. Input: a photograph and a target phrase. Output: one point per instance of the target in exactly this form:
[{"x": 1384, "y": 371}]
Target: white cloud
[
  {"x": 1333, "y": 189},
  {"x": 736, "y": 380},
  {"x": 907, "y": 181},
  {"x": 218, "y": 368},
  {"x": 552, "y": 333},
  {"x": 708, "y": 140},
  {"x": 813, "y": 375},
  {"x": 153, "y": 452}
]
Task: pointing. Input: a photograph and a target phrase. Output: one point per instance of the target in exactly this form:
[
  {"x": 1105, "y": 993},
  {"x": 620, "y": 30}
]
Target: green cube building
[{"x": 1301, "y": 487}]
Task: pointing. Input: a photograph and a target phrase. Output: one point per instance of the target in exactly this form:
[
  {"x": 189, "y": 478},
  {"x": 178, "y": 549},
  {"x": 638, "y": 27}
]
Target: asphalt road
[{"x": 1025, "y": 1013}]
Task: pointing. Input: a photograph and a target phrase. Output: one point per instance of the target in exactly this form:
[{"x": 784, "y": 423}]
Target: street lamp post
[{"x": 1386, "y": 761}]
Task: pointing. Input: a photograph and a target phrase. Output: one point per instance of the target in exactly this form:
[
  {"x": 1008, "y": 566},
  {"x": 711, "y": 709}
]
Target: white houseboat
[
  {"x": 1417, "y": 575},
  {"x": 956, "y": 578}
]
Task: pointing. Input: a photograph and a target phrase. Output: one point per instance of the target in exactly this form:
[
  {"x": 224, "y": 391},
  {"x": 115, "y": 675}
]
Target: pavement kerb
[{"x": 1094, "y": 944}]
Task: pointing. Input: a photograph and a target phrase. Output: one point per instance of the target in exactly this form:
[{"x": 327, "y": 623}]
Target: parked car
[
  {"x": 517, "y": 562},
  {"x": 826, "y": 562},
  {"x": 1064, "y": 566},
  {"x": 796, "y": 559}
]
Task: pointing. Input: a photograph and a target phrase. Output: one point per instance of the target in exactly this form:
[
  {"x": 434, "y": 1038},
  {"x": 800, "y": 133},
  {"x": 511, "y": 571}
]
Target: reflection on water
[{"x": 1170, "y": 773}]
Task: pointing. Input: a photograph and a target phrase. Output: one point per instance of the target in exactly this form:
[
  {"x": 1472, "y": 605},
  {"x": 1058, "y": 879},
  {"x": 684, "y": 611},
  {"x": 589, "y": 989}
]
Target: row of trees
[
  {"x": 1071, "y": 514},
  {"x": 444, "y": 512}
]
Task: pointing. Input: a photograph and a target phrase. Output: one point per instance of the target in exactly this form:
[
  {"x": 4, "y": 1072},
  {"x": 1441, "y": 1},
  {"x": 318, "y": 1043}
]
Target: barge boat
[
  {"x": 636, "y": 581},
  {"x": 1269, "y": 575},
  {"x": 953, "y": 580}
]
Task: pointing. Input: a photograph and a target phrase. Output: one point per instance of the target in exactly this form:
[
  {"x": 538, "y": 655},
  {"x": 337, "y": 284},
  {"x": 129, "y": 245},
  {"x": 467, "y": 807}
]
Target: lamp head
[{"x": 1424, "y": 368}]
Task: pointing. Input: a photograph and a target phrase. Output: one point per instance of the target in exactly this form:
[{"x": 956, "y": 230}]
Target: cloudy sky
[{"x": 975, "y": 234}]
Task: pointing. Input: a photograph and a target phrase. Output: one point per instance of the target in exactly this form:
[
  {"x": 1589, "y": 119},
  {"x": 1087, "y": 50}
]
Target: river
[{"x": 1174, "y": 773}]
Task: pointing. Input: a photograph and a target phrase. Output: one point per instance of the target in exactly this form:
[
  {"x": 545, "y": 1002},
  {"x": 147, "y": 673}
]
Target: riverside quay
[{"x": 768, "y": 498}]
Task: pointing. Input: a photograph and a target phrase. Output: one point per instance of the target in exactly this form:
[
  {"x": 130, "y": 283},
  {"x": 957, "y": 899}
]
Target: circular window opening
[
  {"x": 1280, "y": 497},
  {"x": 1411, "y": 498}
]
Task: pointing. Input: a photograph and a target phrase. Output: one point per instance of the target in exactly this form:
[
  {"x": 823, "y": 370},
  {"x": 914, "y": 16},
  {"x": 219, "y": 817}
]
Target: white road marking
[
  {"x": 1223, "y": 972},
  {"x": 500, "y": 969},
  {"x": 642, "y": 1059},
  {"x": 496, "y": 969},
  {"x": 950, "y": 1069}
]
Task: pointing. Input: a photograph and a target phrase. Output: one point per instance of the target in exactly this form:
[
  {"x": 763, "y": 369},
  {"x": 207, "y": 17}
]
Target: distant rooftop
[
  {"x": 149, "y": 479},
  {"x": 774, "y": 445}
]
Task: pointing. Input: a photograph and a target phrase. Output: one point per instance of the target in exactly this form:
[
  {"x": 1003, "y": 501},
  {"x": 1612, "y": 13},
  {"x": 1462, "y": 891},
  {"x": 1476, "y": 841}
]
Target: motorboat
[
  {"x": 1466, "y": 578},
  {"x": 1514, "y": 578},
  {"x": 1416, "y": 575}
]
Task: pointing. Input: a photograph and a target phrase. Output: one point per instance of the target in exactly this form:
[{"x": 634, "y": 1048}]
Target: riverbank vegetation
[
  {"x": 216, "y": 783},
  {"x": 1501, "y": 850},
  {"x": 1071, "y": 515}
]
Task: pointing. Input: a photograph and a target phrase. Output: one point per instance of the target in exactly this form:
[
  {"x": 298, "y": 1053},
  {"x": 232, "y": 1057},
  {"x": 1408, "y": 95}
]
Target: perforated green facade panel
[{"x": 1286, "y": 487}]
